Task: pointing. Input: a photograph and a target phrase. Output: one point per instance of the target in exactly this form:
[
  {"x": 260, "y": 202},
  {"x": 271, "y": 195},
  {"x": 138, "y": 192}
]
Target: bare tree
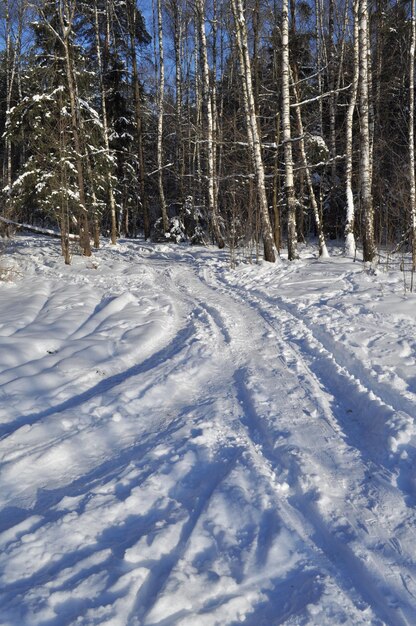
[
  {"x": 137, "y": 104},
  {"x": 66, "y": 13},
  {"x": 323, "y": 251},
  {"x": 287, "y": 137},
  {"x": 252, "y": 128},
  {"x": 349, "y": 225},
  {"x": 106, "y": 131},
  {"x": 369, "y": 248},
  {"x": 161, "y": 95},
  {"x": 412, "y": 134},
  {"x": 207, "y": 95},
  {"x": 13, "y": 43}
]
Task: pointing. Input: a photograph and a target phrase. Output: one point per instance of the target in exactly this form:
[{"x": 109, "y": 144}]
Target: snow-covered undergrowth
[{"x": 187, "y": 444}]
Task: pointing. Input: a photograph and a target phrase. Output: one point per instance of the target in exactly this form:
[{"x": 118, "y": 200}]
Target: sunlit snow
[{"x": 187, "y": 444}]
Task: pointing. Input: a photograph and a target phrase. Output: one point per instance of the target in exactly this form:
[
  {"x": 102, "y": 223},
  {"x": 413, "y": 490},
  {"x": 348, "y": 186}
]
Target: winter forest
[
  {"x": 245, "y": 124},
  {"x": 207, "y": 313}
]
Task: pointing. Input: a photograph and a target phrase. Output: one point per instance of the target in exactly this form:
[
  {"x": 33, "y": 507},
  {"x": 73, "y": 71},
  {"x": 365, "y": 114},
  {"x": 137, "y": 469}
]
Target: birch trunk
[
  {"x": 287, "y": 138},
  {"x": 138, "y": 121},
  {"x": 66, "y": 15},
  {"x": 12, "y": 55},
  {"x": 323, "y": 251},
  {"x": 161, "y": 94},
  {"x": 332, "y": 99},
  {"x": 177, "y": 35},
  {"x": 350, "y": 246},
  {"x": 207, "y": 96},
  {"x": 369, "y": 248},
  {"x": 253, "y": 131},
  {"x": 111, "y": 197},
  {"x": 319, "y": 59},
  {"x": 412, "y": 136}
]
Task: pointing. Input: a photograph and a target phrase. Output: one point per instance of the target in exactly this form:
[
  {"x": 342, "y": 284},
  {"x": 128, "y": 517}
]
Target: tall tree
[
  {"x": 287, "y": 137},
  {"x": 369, "y": 248},
  {"x": 412, "y": 177},
  {"x": 253, "y": 133},
  {"x": 137, "y": 34},
  {"x": 208, "y": 105},
  {"x": 161, "y": 96},
  {"x": 106, "y": 132},
  {"x": 350, "y": 220}
]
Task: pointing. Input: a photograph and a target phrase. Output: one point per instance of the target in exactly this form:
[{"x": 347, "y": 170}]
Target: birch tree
[
  {"x": 13, "y": 36},
  {"x": 369, "y": 248},
  {"x": 161, "y": 95},
  {"x": 136, "y": 33},
  {"x": 350, "y": 220},
  {"x": 412, "y": 134},
  {"x": 106, "y": 131},
  {"x": 252, "y": 128},
  {"x": 208, "y": 105},
  {"x": 323, "y": 251},
  {"x": 66, "y": 13},
  {"x": 287, "y": 138}
]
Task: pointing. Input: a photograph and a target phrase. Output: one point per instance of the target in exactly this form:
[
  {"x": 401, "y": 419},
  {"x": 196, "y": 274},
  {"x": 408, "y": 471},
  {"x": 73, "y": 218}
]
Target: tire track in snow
[
  {"x": 370, "y": 585},
  {"x": 344, "y": 359},
  {"x": 346, "y": 391},
  {"x": 334, "y": 550},
  {"x": 215, "y": 473},
  {"x": 361, "y": 405}
]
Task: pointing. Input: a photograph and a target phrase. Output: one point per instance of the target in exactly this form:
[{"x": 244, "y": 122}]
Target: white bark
[
  {"x": 161, "y": 94},
  {"x": 111, "y": 197},
  {"x": 66, "y": 17},
  {"x": 350, "y": 246},
  {"x": 207, "y": 95},
  {"x": 286, "y": 132},
  {"x": 369, "y": 249},
  {"x": 323, "y": 250},
  {"x": 412, "y": 179},
  {"x": 13, "y": 51},
  {"x": 253, "y": 131}
]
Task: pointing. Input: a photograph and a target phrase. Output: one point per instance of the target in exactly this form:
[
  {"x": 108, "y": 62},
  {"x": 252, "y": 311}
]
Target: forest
[
  {"x": 257, "y": 124},
  {"x": 204, "y": 420}
]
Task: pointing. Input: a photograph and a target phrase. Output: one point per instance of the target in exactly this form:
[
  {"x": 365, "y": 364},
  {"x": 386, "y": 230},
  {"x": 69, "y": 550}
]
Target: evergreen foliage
[{"x": 53, "y": 88}]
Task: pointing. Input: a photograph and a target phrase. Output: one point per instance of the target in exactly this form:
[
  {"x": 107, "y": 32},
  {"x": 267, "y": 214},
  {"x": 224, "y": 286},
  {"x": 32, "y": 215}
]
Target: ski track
[
  {"x": 340, "y": 384},
  {"x": 324, "y": 538},
  {"x": 302, "y": 455}
]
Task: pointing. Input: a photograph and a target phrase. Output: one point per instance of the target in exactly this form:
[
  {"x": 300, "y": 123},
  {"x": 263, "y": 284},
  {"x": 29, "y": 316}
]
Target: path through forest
[{"x": 187, "y": 444}]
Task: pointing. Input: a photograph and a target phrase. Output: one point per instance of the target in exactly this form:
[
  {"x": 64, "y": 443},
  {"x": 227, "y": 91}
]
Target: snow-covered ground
[{"x": 185, "y": 444}]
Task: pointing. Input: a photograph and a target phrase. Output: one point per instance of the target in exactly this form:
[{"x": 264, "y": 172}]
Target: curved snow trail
[{"x": 183, "y": 448}]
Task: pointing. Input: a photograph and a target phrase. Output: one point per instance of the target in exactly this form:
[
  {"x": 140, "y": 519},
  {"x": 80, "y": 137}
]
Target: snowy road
[{"x": 183, "y": 444}]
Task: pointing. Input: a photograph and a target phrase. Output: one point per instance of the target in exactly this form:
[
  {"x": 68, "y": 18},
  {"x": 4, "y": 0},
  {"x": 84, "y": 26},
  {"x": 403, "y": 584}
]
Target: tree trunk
[
  {"x": 177, "y": 35},
  {"x": 12, "y": 55},
  {"x": 105, "y": 124},
  {"x": 332, "y": 100},
  {"x": 207, "y": 95},
  {"x": 323, "y": 251},
  {"x": 161, "y": 94},
  {"x": 412, "y": 136},
  {"x": 369, "y": 248},
  {"x": 253, "y": 131},
  {"x": 138, "y": 121},
  {"x": 349, "y": 226},
  {"x": 66, "y": 17},
  {"x": 289, "y": 180}
]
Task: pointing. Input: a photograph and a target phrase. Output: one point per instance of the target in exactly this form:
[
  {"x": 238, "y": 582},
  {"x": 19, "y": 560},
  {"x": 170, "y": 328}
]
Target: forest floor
[{"x": 187, "y": 444}]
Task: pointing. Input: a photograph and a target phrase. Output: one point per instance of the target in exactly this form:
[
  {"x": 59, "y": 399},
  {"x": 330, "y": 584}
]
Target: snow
[{"x": 182, "y": 443}]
